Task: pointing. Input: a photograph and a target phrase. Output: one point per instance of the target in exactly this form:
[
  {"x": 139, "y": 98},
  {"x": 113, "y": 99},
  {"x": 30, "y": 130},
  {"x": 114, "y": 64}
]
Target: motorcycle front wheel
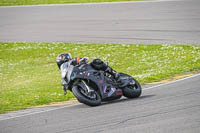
[{"x": 90, "y": 99}]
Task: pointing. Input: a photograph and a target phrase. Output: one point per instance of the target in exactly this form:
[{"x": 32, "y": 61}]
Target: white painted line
[
  {"x": 82, "y": 4},
  {"x": 12, "y": 117},
  {"x": 156, "y": 86}
]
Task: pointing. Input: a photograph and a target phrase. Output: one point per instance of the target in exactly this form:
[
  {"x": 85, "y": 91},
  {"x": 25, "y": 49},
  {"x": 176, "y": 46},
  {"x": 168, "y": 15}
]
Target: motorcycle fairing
[{"x": 89, "y": 74}]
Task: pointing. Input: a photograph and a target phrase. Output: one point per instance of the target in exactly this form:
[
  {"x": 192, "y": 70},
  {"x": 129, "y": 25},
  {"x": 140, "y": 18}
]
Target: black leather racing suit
[
  {"x": 97, "y": 64},
  {"x": 100, "y": 65}
]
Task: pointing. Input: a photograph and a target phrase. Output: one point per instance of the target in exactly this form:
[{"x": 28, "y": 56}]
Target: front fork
[
  {"x": 87, "y": 87},
  {"x": 65, "y": 86}
]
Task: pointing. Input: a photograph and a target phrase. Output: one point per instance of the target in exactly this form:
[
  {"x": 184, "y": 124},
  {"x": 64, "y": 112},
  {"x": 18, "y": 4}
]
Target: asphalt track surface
[
  {"x": 167, "y": 108},
  {"x": 172, "y": 107},
  {"x": 161, "y": 21}
]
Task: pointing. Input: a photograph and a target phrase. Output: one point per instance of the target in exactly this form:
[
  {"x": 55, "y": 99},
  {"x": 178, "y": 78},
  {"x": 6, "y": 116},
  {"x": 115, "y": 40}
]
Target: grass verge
[
  {"x": 29, "y": 75},
  {"x": 36, "y": 2}
]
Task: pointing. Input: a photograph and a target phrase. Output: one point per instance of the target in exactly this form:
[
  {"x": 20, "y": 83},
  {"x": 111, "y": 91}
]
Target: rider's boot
[{"x": 113, "y": 73}]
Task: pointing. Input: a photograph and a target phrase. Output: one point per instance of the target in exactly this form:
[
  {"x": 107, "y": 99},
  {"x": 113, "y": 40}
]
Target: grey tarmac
[
  {"x": 172, "y": 107},
  {"x": 154, "y": 22}
]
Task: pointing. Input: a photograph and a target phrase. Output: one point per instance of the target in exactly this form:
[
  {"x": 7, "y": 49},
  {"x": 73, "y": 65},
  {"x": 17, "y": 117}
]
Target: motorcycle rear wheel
[
  {"x": 82, "y": 98},
  {"x": 131, "y": 91}
]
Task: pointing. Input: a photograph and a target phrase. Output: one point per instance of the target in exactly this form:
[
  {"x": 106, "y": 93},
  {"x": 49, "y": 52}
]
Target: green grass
[
  {"x": 36, "y": 2},
  {"x": 29, "y": 75}
]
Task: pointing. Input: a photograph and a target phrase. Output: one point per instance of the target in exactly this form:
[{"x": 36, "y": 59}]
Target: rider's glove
[{"x": 84, "y": 60}]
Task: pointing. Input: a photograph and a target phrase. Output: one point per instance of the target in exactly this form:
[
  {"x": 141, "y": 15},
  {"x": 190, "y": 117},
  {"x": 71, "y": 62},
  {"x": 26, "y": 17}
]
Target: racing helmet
[{"x": 62, "y": 58}]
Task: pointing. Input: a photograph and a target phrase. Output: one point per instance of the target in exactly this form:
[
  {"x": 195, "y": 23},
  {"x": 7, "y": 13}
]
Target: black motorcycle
[{"x": 91, "y": 86}]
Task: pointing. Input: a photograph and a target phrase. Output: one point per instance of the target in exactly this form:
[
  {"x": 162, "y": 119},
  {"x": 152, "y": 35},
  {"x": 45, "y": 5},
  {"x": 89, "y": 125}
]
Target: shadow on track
[
  {"x": 115, "y": 101},
  {"x": 126, "y": 99}
]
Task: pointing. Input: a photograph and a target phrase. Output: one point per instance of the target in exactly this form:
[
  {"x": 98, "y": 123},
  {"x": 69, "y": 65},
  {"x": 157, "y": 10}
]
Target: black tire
[
  {"x": 132, "y": 91},
  {"x": 83, "y": 99}
]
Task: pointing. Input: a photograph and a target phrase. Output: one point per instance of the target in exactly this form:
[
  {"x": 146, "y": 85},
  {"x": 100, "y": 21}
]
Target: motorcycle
[{"x": 91, "y": 86}]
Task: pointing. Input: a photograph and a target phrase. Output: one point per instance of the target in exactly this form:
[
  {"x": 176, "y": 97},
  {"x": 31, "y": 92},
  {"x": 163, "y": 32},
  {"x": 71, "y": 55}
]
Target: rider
[{"x": 96, "y": 63}]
